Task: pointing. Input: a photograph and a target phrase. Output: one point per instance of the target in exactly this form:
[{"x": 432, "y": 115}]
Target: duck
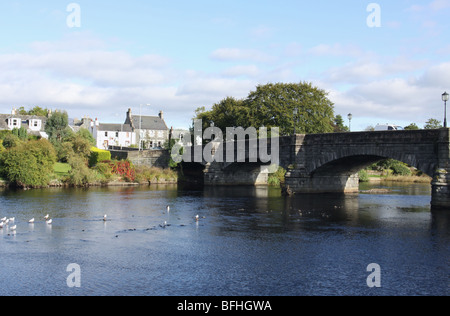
[
  {"x": 46, "y": 217},
  {"x": 197, "y": 218},
  {"x": 31, "y": 221},
  {"x": 50, "y": 221},
  {"x": 168, "y": 208},
  {"x": 105, "y": 217}
]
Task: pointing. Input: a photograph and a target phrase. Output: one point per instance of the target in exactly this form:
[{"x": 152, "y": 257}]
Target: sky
[{"x": 384, "y": 61}]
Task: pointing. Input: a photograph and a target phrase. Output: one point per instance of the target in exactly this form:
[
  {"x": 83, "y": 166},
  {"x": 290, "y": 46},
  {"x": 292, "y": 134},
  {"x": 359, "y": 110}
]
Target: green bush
[
  {"x": 277, "y": 178},
  {"x": 80, "y": 175},
  {"x": 98, "y": 155},
  {"x": 401, "y": 169},
  {"x": 363, "y": 176},
  {"x": 29, "y": 164},
  {"x": 104, "y": 169}
]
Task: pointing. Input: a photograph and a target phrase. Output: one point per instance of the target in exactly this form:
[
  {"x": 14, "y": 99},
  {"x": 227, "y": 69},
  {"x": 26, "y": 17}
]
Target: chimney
[
  {"x": 97, "y": 123},
  {"x": 161, "y": 115},
  {"x": 14, "y": 111}
]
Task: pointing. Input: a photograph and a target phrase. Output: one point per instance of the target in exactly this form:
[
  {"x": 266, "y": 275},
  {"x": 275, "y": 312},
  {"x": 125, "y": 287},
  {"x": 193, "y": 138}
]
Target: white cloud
[
  {"x": 242, "y": 70},
  {"x": 336, "y": 49},
  {"x": 237, "y": 54}
]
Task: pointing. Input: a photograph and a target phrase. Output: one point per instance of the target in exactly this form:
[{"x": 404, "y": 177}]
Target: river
[{"x": 247, "y": 241}]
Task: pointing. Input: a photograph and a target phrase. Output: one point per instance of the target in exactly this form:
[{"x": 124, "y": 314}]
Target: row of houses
[{"x": 145, "y": 132}]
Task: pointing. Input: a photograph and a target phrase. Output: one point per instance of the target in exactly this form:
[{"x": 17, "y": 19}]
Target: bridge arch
[{"x": 330, "y": 162}]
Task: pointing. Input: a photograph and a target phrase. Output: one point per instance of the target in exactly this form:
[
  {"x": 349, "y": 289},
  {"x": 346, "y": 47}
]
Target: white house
[{"x": 107, "y": 135}]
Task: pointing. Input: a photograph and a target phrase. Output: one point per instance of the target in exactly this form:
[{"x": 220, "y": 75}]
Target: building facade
[
  {"x": 151, "y": 131},
  {"x": 105, "y": 135}
]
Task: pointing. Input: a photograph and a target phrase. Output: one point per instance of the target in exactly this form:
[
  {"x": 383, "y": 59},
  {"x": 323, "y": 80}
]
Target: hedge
[{"x": 98, "y": 155}]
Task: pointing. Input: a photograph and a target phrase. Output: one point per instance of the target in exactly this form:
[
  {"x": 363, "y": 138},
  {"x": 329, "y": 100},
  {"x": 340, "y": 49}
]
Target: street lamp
[
  {"x": 350, "y": 116},
  {"x": 445, "y": 99},
  {"x": 140, "y": 125}
]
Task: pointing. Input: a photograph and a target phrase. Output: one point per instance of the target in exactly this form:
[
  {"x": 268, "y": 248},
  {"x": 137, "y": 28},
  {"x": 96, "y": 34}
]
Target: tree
[
  {"x": 57, "y": 126},
  {"x": 432, "y": 124},
  {"x": 273, "y": 105},
  {"x": 21, "y": 133},
  {"x": 412, "y": 126},
  {"x": 338, "y": 125},
  {"x": 85, "y": 134}
]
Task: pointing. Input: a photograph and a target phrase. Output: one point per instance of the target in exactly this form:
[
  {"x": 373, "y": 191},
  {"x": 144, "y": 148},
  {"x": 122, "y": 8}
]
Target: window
[
  {"x": 35, "y": 124},
  {"x": 117, "y": 134},
  {"x": 106, "y": 134}
]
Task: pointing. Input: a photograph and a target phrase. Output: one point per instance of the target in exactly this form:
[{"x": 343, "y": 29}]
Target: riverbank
[{"x": 404, "y": 179}]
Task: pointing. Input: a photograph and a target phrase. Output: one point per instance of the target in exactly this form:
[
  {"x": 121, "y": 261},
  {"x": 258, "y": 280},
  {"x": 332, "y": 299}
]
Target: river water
[{"x": 247, "y": 241}]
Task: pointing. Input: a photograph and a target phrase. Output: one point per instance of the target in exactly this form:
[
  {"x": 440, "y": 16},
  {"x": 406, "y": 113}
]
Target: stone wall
[{"x": 151, "y": 158}]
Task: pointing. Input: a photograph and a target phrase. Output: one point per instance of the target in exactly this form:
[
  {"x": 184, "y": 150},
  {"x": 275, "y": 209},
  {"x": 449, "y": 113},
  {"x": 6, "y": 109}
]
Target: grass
[
  {"x": 416, "y": 179},
  {"x": 62, "y": 169}
]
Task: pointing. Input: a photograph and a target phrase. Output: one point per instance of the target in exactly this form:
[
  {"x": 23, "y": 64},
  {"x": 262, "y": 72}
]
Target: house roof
[
  {"x": 114, "y": 128},
  {"x": 150, "y": 123}
]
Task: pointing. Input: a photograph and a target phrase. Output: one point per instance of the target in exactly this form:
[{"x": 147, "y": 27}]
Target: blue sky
[{"x": 180, "y": 55}]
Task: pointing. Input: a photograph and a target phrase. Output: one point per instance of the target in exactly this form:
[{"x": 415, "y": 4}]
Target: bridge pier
[
  {"x": 440, "y": 196},
  {"x": 237, "y": 174},
  {"x": 300, "y": 182}
]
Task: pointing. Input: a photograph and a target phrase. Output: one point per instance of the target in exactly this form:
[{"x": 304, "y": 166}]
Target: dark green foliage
[
  {"x": 21, "y": 133},
  {"x": 29, "y": 164},
  {"x": 273, "y": 105},
  {"x": 57, "y": 126},
  {"x": 10, "y": 141}
]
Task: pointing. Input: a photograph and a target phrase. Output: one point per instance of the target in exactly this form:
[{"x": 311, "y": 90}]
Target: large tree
[
  {"x": 275, "y": 105},
  {"x": 57, "y": 126}
]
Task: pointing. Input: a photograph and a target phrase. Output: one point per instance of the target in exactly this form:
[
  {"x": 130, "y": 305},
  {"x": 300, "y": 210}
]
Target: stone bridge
[{"x": 329, "y": 163}]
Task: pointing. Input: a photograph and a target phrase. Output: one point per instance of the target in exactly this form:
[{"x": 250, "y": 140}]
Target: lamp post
[
  {"x": 140, "y": 125},
  {"x": 350, "y": 116},
  {"x": 445, "y": 99}
]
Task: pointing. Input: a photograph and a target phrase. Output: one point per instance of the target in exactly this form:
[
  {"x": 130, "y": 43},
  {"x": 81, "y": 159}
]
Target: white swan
[
  {"x": 1, "y": 225},
  {"x": 46, "y": 217},
  {"x": 31, "y": 221},
  {"x": 197, "y": 217},
  {"x": 104, "y": 217},
  {"x": 12, "y": 219},
  {"x": 3, "y": 219},
  {"x": 50, "y": 221},
  {"x": 13, "y": 228}
]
